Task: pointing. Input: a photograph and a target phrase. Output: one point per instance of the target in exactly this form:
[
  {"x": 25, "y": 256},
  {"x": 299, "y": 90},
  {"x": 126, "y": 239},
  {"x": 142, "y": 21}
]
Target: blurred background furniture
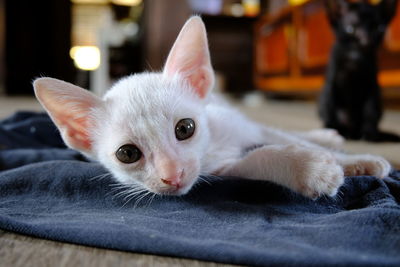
[
  {"x": 94, "y": 42},
  {"x": 36, "y": 43},
  {"x": 292, "y": 47},
  {"x": 277, "y": 46}
]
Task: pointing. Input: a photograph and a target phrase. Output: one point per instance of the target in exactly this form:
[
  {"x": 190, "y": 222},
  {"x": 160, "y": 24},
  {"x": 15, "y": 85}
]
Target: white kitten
[{"x": 162, "y": 130}]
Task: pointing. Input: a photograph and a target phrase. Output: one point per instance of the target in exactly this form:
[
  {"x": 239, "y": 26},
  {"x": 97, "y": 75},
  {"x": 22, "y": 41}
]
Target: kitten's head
[
  {"x": 149, "y": 129},
  {"x": 360, "y": 23}
]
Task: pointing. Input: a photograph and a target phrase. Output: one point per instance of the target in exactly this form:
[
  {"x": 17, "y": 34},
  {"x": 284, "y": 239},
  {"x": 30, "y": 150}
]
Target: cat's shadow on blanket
[
  {"x": 226, "y": 189},
  {"x": 250, "y": 195},
  {"x": 213, "y": 195}
]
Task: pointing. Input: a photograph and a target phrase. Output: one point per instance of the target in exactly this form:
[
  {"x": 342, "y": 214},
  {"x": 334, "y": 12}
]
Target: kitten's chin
[
  {"x": 174, "y": 191},
  {"x": 186, "y": 182}
]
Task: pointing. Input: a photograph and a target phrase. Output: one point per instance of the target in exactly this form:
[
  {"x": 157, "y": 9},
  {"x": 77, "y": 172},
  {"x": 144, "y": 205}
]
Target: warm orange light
[
  {"x": 251, "y": 7},
  {"x": 374, "y": 2},
  {"x": 104, "y": 2},
  {"x": 297, "y": 2}
]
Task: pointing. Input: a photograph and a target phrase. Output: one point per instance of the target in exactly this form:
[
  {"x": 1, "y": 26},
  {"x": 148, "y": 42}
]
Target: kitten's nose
[{"x": 173, "y": 180}]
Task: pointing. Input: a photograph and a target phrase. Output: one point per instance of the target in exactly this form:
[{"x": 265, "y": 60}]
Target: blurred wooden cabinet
[
  {"x": 231, "y": 48},
  {"x": 230, "y": 40},
  {"x": 292, "y": 50}
]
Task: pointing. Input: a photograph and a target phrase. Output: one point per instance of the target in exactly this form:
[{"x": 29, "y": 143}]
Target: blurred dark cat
[{"x": 351, "y": 100}]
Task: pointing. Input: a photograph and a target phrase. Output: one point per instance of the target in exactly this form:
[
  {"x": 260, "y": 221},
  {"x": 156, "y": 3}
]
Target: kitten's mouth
[
  {"x": 175, "y": 181},
  {"x": 175, "y": 186},
  {"x": 180, "y": 190}
]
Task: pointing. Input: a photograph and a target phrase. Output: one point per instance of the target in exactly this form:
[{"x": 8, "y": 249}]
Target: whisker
[
  {"x": 127, "y": 202},
  {"x": 134, "y": 193},
  {"x": 125, "y": 190},
  {"x": 211, "y": 176},
  {"x": 141, "y": 198},
  {"x": 101, "y": 176},
  {"x": 338, "y": 197},
  {"x": 120, "y": 185},
  {"x": 151, "y": 198},
  {"x": 132, "y": 196},
  {"x": 204, "y": 179},
  {"x": 122, "y": 193},
  {"x": 131, "y": 191},
  {"x": 117, "y": 188}
]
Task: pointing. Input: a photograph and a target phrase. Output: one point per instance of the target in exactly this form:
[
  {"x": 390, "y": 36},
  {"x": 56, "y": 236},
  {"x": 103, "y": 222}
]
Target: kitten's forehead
[
  {"x": 145, "y": 105},
  {"x": 147, "y": 93}
]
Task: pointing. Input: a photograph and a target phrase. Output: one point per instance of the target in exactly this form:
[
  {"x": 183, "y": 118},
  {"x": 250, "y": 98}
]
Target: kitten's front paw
[
  {"x": 355, "y": 165},
  {"x": 317, "y": 173}
]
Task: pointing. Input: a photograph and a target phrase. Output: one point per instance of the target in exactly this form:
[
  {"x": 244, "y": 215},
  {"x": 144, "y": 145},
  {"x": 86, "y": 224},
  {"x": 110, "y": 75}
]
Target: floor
[
  {"x": 302, "y": 115},
  {"x": 21, "y": 251},
  {"x": 18, "y": 250}
]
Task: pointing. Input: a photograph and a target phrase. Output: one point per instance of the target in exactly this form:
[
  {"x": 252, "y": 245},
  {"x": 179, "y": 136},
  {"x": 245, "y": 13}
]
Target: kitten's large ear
[
  {"x": 388, "y": 9},
  {"x": 335, "y": 9},
  {"x": 190, "y": 57},
  {"x": 69, "y": 107}
]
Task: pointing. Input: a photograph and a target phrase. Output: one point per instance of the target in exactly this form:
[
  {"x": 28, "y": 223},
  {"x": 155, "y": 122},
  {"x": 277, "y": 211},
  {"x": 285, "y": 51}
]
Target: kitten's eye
[
  {"x": 349, "y": 29},
  {"x": 184, "y": 129},
  {"x": 128, "y": 154}
]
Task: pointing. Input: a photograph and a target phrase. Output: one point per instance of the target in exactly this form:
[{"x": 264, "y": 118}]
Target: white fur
[{"x": 143, "y": 110}]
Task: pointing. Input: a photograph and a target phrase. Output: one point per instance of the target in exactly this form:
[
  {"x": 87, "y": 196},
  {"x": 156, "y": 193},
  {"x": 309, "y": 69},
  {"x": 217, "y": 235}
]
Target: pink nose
[{"x": 173, "y": 180}]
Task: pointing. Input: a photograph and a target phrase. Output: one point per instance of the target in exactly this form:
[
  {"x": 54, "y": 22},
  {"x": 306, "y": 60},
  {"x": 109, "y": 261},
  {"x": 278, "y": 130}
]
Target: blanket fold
[{"x": 52, "y": 192}]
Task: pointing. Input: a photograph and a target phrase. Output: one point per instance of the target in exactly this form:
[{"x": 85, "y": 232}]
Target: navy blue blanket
[{"x": 52, "y": 192}]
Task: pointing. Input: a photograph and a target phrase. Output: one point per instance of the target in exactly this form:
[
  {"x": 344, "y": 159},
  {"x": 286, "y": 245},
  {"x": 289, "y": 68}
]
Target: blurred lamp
[
  {"x": 90, "y": 2},
  {"x": 86, "y": 57},
  {"x": 297, "y": 2},
  {"x": 126, "y": 2},
  {"x": 237, "y": 10},
  {"x": 251, "y": 7}
]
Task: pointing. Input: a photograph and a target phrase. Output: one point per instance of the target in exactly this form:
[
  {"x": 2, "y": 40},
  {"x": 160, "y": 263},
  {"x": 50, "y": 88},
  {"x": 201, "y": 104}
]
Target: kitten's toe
[
  {"x": 330, "y": 181},
  {"x": 367, "y": 165},
  {"x": 321, "y": 176}
]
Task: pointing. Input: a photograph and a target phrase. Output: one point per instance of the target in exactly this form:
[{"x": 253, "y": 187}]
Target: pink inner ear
[
  {"x": 70, "y": 108},
  {"x": 190, "y": 58},
  {"x": 194, "y": 65},
  {"x": 76, "y": 129},
  {"x": 72, "y": 117},
  {"x": 200, "y": 81}
]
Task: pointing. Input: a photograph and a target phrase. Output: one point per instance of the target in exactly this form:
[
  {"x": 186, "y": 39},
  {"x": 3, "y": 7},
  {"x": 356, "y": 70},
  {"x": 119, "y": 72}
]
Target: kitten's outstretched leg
[
  {"x": 329, "y": 138},
  {"x": 305, "y": 170},
  {"x": 354, "y": 165}
]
